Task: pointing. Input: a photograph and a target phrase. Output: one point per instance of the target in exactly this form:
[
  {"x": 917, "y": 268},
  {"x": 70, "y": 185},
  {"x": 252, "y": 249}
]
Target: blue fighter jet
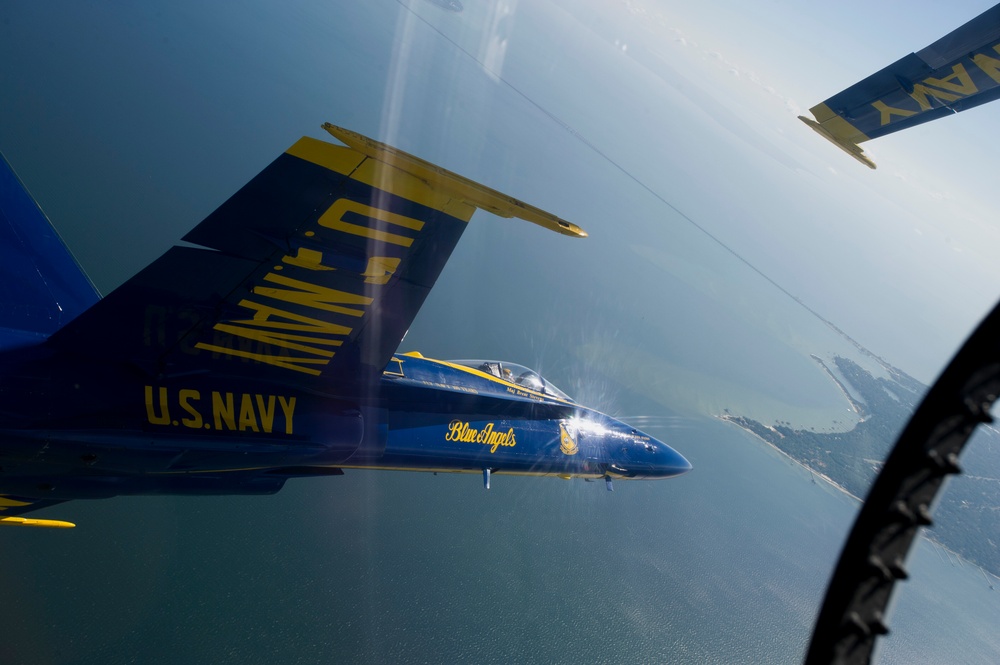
[{"x": 267, "y": 350}]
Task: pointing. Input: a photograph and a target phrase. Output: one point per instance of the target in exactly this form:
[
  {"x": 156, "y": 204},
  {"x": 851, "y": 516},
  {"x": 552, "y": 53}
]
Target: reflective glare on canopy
[{"x": 744, "y": 284}]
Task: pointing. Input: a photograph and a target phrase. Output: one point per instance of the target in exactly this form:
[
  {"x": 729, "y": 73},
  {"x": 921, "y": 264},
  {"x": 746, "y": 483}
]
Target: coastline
[
  {"x": 732, "y": 420},
  {"x": 924, "y": 533}
]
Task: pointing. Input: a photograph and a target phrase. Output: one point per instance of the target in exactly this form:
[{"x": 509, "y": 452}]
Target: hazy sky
[
  {"x": 940, "y": 174},
  {"x": 148, "y": 119},
  {"x": 903, "y": 258}
]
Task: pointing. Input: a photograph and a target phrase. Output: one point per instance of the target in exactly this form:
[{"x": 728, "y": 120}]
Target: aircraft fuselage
[{"x": 121, "y": 434}]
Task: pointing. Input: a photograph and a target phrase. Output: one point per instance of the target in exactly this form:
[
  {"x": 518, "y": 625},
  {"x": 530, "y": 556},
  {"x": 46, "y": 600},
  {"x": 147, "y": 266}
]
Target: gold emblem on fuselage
[{"x": 567, "y": 443}]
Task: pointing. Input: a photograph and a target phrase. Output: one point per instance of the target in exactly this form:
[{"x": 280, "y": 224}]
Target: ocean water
[
  {"x": 390, "y": 567},
  {"x": 725, "y": 564},
  {"x": 650, "y": 319},
  {"x": 948, "y": 612}
]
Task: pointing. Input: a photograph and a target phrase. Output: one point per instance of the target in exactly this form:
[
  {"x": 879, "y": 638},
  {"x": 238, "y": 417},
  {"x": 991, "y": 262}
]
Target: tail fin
[
  {"x": 41, "y": 285},
  {"x": 955, "y": 73},
  {"x": 313, "y": 271}
]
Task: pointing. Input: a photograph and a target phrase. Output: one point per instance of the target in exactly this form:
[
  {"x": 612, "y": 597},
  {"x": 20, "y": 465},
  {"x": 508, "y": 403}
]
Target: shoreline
[
  {"x": 924, "y": 533},
  {"x": 732, "y": 421}
]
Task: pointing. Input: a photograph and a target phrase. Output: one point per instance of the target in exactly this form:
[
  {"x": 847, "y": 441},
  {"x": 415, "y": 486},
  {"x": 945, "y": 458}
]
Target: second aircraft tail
[{"x": 41, "y": 285}]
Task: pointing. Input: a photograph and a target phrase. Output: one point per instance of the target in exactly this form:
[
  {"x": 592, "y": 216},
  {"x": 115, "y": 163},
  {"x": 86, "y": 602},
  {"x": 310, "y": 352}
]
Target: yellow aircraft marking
[
  {"x": 363, "y": 168},
  {"x": 283, "y": 329},
  {"x": 333, "y": 218},
  {"x": 990, "y": 66},
  {"x": 228, "y": 412},
  {"x": 26, "y": 521},
  {"x": 460, "y": 187},
  {"x": 331, "y": 157},
  {"x": 301, "y": 343},
  {"x": 954, "y": 86},
  {"x": 463, "y": 432},
  {"x": 838, "y": 131}
]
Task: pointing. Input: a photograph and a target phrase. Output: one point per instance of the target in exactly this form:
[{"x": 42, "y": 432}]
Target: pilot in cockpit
[
  {"x": 492, "y": 368},
  {"x": 498, "y": 371}
]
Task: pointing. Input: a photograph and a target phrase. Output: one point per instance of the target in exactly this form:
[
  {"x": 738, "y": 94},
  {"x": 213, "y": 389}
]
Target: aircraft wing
[
  {"x": 957, "y": 72},
  {"x": 311, "y": 274},
  {"x": 14, "y": 506}
]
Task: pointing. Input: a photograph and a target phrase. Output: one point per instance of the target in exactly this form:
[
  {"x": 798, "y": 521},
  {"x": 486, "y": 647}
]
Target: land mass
[{"x": 967, "y": 517}]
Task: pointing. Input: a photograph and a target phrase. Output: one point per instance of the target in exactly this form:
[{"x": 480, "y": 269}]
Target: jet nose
[
  {"x": 673, "y": 463},
  {"x": 646, "y": 457},
  {"x": 624, "y": 451}
]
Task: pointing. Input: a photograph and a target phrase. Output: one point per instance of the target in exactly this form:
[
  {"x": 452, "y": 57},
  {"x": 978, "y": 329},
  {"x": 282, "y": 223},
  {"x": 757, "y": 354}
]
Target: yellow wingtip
[
  {"x": 28, "y": 521},
  {"x": 851, "y": 148},
  {"x": 474, "y": 193}
]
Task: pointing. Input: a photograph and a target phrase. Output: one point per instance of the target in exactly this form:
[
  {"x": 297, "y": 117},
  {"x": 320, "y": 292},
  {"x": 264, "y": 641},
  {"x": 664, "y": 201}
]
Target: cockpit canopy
[{"x": 519, "y": 375}]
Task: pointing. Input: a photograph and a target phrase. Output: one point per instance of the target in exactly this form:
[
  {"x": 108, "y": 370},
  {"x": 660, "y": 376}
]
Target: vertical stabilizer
[{"x": 41, "y": 285}]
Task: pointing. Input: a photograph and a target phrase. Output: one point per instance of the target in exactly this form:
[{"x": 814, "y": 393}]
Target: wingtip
[
  {"x": 851, "y": 148},
  {"x": 570, "y": 229},
  {"x": 28, "y": 521},
  {"x": 473, "y": 192},
  {"x": 345, "y": 136}
]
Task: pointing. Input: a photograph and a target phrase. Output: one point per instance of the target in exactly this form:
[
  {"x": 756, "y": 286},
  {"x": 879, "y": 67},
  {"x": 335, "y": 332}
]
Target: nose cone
[
  {"x": 634, "y": 454},
  {"x": 660, "y": 461},
  {"x": 673, "y": 463}
]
